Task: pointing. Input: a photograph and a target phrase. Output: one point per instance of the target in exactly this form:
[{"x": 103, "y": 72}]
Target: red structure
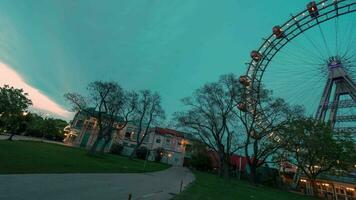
[{"x": 237, "y": 162}]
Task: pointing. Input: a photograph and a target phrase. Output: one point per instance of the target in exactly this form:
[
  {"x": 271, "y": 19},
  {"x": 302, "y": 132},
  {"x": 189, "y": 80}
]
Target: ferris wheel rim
[{"x": 272, "y": 45}]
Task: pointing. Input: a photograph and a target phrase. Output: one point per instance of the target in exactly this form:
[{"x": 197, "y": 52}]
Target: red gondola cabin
[
  {"x": 244, "y": 80},
  {"x": 278, "y": 32},
  {"x": 313, "y": 9},
  {"x": 256, "y": 56},
  {"x": 242, "y": 106}
]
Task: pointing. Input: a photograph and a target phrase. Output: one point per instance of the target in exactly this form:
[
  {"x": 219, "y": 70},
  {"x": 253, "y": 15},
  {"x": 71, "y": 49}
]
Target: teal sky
[{"x": 169, "y": 46}]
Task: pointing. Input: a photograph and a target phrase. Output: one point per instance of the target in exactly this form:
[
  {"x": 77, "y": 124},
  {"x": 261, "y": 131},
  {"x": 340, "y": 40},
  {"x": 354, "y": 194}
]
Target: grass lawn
[
  {"x": 209, "y": 186},
  {"x": 38, "y": 157}
]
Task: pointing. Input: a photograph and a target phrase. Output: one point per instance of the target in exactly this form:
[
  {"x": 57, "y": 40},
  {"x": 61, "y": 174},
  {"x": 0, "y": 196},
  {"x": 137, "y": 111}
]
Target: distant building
[
  {"x": 331, "y": 187},
  {"x": 83, "y": 133}
]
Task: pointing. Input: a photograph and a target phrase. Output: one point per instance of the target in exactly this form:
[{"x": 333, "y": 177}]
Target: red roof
[
  {"x": 164, "y": 131},
  {"x": 235, "y": 161}
]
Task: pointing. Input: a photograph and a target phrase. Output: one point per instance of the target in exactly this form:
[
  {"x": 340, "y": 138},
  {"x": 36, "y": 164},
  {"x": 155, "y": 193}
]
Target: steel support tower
[{"x": 339, "y": 83}]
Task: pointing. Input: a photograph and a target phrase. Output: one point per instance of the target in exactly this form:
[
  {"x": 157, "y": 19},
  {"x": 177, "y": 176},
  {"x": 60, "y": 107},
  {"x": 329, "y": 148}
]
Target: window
[
  {"x": 158, "y": 140},
  {"x": 90, "y": 125},
  {"x": 128, "y": 135}
]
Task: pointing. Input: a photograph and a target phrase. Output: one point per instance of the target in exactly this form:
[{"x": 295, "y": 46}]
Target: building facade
[
  {"x": 83, "y": 132},
  {"x": 335, "y": 188}
]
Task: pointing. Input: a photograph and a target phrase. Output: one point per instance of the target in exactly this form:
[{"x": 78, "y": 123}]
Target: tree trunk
[
  {"x": 133, "y": 153},
  {"x": 93, "y": 148},
  {"x": 11, "y": 136},
  {"x": 102, "y": 148},
  {"x": 315, "y": 188},
  {"x": 225, "y": 170},
  {"x": 253, "y": 174}
]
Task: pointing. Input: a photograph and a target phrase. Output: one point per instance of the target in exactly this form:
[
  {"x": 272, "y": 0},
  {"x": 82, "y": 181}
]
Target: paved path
[
  {"x": 145, "y": 186},
  {"x": 28, "y": 138}
]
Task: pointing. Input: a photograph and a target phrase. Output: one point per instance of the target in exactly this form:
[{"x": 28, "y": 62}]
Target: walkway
[
  {"x": 28, "y": 138},
  {"x": 145, "y": 186}
]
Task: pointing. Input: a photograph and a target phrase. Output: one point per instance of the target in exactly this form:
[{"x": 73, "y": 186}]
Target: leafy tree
[
  {"x": 211, "y": 114},
  {"x": 53, "y": 128},
  {"x": 34, "y": 127},
  {"x": 315, "y": 149},
  {"x": 147, "y": 112},
  {"x": 13, "y": 104},
  {"x": 49, "y": 128}
]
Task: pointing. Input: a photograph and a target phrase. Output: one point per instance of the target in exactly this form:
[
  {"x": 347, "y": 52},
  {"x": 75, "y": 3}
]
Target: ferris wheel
[{"x": 310, "y": 60}]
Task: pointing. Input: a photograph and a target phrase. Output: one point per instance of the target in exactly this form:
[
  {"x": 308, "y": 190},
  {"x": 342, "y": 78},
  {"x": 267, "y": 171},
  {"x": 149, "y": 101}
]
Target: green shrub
[
  {"x": 141, "y": 153},
  {"x": 116, "y": 149},
  {"x": 201, "y": 161}
]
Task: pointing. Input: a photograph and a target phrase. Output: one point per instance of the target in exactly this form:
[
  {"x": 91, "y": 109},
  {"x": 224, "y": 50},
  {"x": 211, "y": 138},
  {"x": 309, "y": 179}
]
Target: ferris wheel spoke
[
  {"x": 300, "y": 55},
  {"x": 324, "y": 40},
  {"x": 305, "y": 50},
  {"x": 349, "y": 39},
  {"x": 337, "y": 35},
  {"x": 300, "y": 63},
  {"x": 296, "y": 97},
  {"x": 317, "y": 48}
]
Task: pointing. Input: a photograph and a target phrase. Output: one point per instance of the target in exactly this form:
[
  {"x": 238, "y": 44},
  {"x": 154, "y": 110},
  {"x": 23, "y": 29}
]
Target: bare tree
[
  {"x": 148, "y": 112},
  {"x": 210, "y": 114},
  {"x": 262, "y": 124},
  {"x": 105, "y": 100},
  {"x": 120, "y": 114}
]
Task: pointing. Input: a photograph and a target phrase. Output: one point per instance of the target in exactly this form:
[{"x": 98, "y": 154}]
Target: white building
[{"x": 83, "y": 133}]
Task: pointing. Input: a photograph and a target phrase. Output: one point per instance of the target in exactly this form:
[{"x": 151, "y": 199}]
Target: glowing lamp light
[
  {"x": 303, "y": 180},
  {"x": 350, "y": 189}
]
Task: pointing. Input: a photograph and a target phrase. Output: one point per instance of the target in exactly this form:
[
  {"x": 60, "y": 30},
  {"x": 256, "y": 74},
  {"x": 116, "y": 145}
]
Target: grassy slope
[
  {"x": 38, "y": 157},
  {"x": 208, "y": 186}
]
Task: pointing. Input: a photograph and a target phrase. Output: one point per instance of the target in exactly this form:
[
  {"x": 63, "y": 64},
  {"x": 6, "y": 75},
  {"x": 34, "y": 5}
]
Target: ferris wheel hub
[{"x": 334, "y": 62}]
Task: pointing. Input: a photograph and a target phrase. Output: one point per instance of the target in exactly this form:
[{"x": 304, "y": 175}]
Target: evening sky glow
[{"x": 40, "y": 102}]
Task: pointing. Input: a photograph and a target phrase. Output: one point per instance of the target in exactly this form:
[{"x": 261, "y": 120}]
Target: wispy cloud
[{"x": 40, "y": 101}]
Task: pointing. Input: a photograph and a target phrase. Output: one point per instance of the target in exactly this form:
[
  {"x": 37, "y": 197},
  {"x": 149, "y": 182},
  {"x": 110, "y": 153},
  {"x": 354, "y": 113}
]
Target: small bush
[
  {"x": 116, "y": 149},
  {"x": 201, "y": 161},
  {"x": 141, "y": 153},
  {"x": 269, "y": 177}
]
